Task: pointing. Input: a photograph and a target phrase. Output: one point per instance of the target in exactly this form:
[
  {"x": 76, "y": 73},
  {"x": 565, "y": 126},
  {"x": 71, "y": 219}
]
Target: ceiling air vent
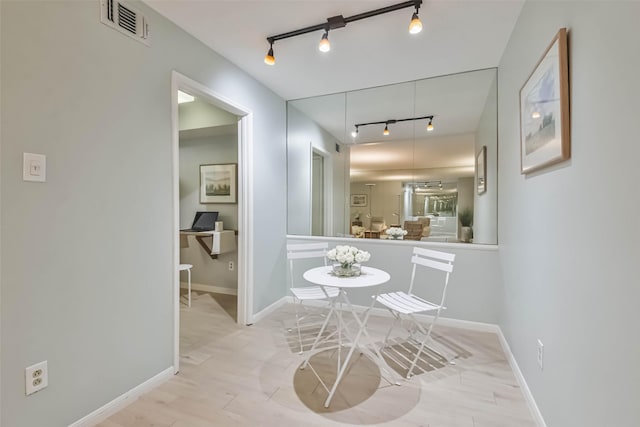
[{"x": 125, "y": 19}]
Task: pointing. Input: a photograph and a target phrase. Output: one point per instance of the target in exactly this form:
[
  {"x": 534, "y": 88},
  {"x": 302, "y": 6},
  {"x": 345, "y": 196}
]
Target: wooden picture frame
[
  {"x": 219, "y": 183},
  {"x": 545, "y": 128},
  {"x": 481, "y": 170},
  {"x": 359, "y": 200}
]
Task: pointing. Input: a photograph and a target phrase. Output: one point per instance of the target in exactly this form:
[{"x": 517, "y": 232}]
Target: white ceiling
[{"x": 457, "y": 36}]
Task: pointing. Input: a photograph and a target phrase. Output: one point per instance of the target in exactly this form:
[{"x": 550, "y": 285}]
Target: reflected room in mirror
[{"x": 408, "y": 149}]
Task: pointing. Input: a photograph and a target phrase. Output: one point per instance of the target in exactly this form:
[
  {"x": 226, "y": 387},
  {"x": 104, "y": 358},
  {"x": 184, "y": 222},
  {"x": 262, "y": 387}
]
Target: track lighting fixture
[
  {"x": 324, "y": 45},
  {"x": 415, "y": 26},
  {"x": 340, "y": 21},
  {"x": 428, "y": 186},
  {"x": 392, "y": 121},
  {"x": 430, "y": 125},
  {"x": 269, "y": 59}
]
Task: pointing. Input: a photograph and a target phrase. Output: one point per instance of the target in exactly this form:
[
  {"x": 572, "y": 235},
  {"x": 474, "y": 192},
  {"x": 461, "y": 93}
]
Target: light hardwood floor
[{"x": 250, "y": 376}]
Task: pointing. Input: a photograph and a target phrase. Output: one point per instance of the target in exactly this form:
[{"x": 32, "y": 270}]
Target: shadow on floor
[{"x": 229, "y": 303}]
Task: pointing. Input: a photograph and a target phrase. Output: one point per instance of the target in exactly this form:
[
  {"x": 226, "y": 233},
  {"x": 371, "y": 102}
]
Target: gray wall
[
  {"x": 86, "y": 271},
  {"x": 472, "y": 288},
  {"x": 570, "y": 275},
  {"x": 193, "y": 153},
  {"x": 485, "y": 207},
  {"x": 466, "y": 191},
  {"x": 200, "y": 114}
]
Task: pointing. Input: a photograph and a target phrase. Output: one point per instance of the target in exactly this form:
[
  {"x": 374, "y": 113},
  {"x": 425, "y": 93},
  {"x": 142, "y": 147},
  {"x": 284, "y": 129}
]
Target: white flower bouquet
[
  {"x": 396, "y": 232},
  {"x": 346, "y": 257}
]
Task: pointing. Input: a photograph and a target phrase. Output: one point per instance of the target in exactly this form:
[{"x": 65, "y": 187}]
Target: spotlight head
[
  {"x": 354, "y": 133},
  {"x": 385, "y": 132},
  {"x": 430, "y": 126},
  {"x": 324, "y": 45},
  {"x": 269, "y": 59},
  {"x": 535, "y": 115},
  {"x": 415, "y": 26}
]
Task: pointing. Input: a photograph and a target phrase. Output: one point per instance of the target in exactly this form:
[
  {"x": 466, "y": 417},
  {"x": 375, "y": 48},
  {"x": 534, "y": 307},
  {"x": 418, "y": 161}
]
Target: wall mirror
[{"x": 362, "y": 161}]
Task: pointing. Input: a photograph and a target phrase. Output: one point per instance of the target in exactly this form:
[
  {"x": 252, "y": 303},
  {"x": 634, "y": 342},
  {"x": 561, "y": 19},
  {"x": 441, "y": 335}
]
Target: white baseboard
[
  {"x": 444, "y": 321},
  {"x": 123, "y": 400},
  {"x": 209, "y": 288},
  {"x": 533, "y": 407},
  {"x": 269, "y": 309}
]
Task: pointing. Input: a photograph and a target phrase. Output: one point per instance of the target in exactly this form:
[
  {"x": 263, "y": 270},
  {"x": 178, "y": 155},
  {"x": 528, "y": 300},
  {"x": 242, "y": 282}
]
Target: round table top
[{"x": 369, "y": 277}]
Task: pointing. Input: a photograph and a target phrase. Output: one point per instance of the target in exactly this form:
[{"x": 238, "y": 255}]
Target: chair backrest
[
  {"x": 437, "y": 260},
  {"x": 426, "y": 225},
  {"x": 378, "y": 223},
  {"x": 298, "y": 251},
  {"x": 414, "y": 230},
  {"x": 357, "y": 231}
]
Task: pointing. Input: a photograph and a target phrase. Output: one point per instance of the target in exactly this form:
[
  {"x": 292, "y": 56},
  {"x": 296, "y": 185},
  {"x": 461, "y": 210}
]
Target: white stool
[{"x": 187, "y": 267}]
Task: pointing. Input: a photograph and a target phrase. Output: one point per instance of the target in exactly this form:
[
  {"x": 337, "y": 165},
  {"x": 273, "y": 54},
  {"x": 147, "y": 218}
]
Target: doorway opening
[
  {"x": 212, "y": 137},
  {"x": 321, "y": 209}
]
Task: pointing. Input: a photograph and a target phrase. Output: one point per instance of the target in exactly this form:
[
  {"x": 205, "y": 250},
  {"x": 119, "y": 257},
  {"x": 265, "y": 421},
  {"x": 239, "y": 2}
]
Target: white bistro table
[{"x": 369, "y": 278}]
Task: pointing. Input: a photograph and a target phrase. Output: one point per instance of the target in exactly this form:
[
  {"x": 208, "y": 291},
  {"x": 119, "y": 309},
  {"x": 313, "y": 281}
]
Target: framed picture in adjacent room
[
  {"x": 359, "y": 200},
  {"x": 545, "y": 133},
  {"x": 481, "y": 170},
  {"x": 219, "y": 183}
]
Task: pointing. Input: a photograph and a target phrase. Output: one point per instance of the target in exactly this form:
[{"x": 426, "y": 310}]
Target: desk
[
  {"x": 221, "y": 241},
  {"x": 370, "y": 277}
]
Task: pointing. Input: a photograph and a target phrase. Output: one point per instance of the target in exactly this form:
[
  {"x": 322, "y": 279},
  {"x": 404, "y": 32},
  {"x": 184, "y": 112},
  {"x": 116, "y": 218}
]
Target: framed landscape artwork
[
  {"x": 218, "y": 183},
  {"x": 481, "y": 170},
  {"x": 545, "y": 134},
  {"x": 359, "y": 200}
]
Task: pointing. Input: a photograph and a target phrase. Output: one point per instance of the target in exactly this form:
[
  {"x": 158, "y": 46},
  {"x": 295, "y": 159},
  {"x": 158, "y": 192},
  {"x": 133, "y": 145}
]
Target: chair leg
[
  {"x": 396, "y": 317},
  {"x": 295, "y": 305},
  {"x": 423, "y": 345},
  {"x": 189, "y": 284}
]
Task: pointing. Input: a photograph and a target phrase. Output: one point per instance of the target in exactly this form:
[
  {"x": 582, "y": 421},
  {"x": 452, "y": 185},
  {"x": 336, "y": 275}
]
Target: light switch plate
[{"x": 34, "y": 167}]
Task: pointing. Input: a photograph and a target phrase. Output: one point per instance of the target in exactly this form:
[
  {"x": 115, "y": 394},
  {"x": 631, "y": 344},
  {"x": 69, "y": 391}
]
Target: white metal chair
[
  {"x": 407, "y": 303},
  {"x": 187, "y": 267},
  {"x": 308, "y": 251}
]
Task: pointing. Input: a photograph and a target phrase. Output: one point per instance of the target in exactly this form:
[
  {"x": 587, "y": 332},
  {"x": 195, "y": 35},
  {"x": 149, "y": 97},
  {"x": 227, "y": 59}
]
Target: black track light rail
[
  {"x": 392, "y": 121},
  {"x": 340, "y": 21}
]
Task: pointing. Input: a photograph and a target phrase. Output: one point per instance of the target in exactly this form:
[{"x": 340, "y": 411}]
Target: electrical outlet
[
  {"x": 36, "y": 377},
  {"x": 231, "y": 266},
  {"x": 540, "y": 354}
]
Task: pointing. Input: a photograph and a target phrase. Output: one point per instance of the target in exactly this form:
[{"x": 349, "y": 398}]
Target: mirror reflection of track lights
[
  {"x": 339, "y": 21},
  {"x": 386, "y": 124}
]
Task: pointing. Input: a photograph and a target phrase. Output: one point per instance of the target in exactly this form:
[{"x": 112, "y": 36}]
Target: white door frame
[
  {"x": 327, "y": 191},
  {"x": 245, "y": 198}
]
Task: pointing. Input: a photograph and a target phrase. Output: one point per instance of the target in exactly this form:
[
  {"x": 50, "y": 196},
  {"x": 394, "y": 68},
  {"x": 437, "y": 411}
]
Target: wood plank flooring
[{"x": 249, "y": 376}]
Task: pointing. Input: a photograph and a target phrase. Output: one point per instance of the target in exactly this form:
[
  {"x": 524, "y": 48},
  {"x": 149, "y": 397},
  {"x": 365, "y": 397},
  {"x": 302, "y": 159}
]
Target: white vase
[{"x": 351, "y": 270}]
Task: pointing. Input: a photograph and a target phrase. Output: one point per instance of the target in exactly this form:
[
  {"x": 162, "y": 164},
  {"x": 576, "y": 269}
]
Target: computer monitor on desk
[{"x": 204, "y": 221}]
